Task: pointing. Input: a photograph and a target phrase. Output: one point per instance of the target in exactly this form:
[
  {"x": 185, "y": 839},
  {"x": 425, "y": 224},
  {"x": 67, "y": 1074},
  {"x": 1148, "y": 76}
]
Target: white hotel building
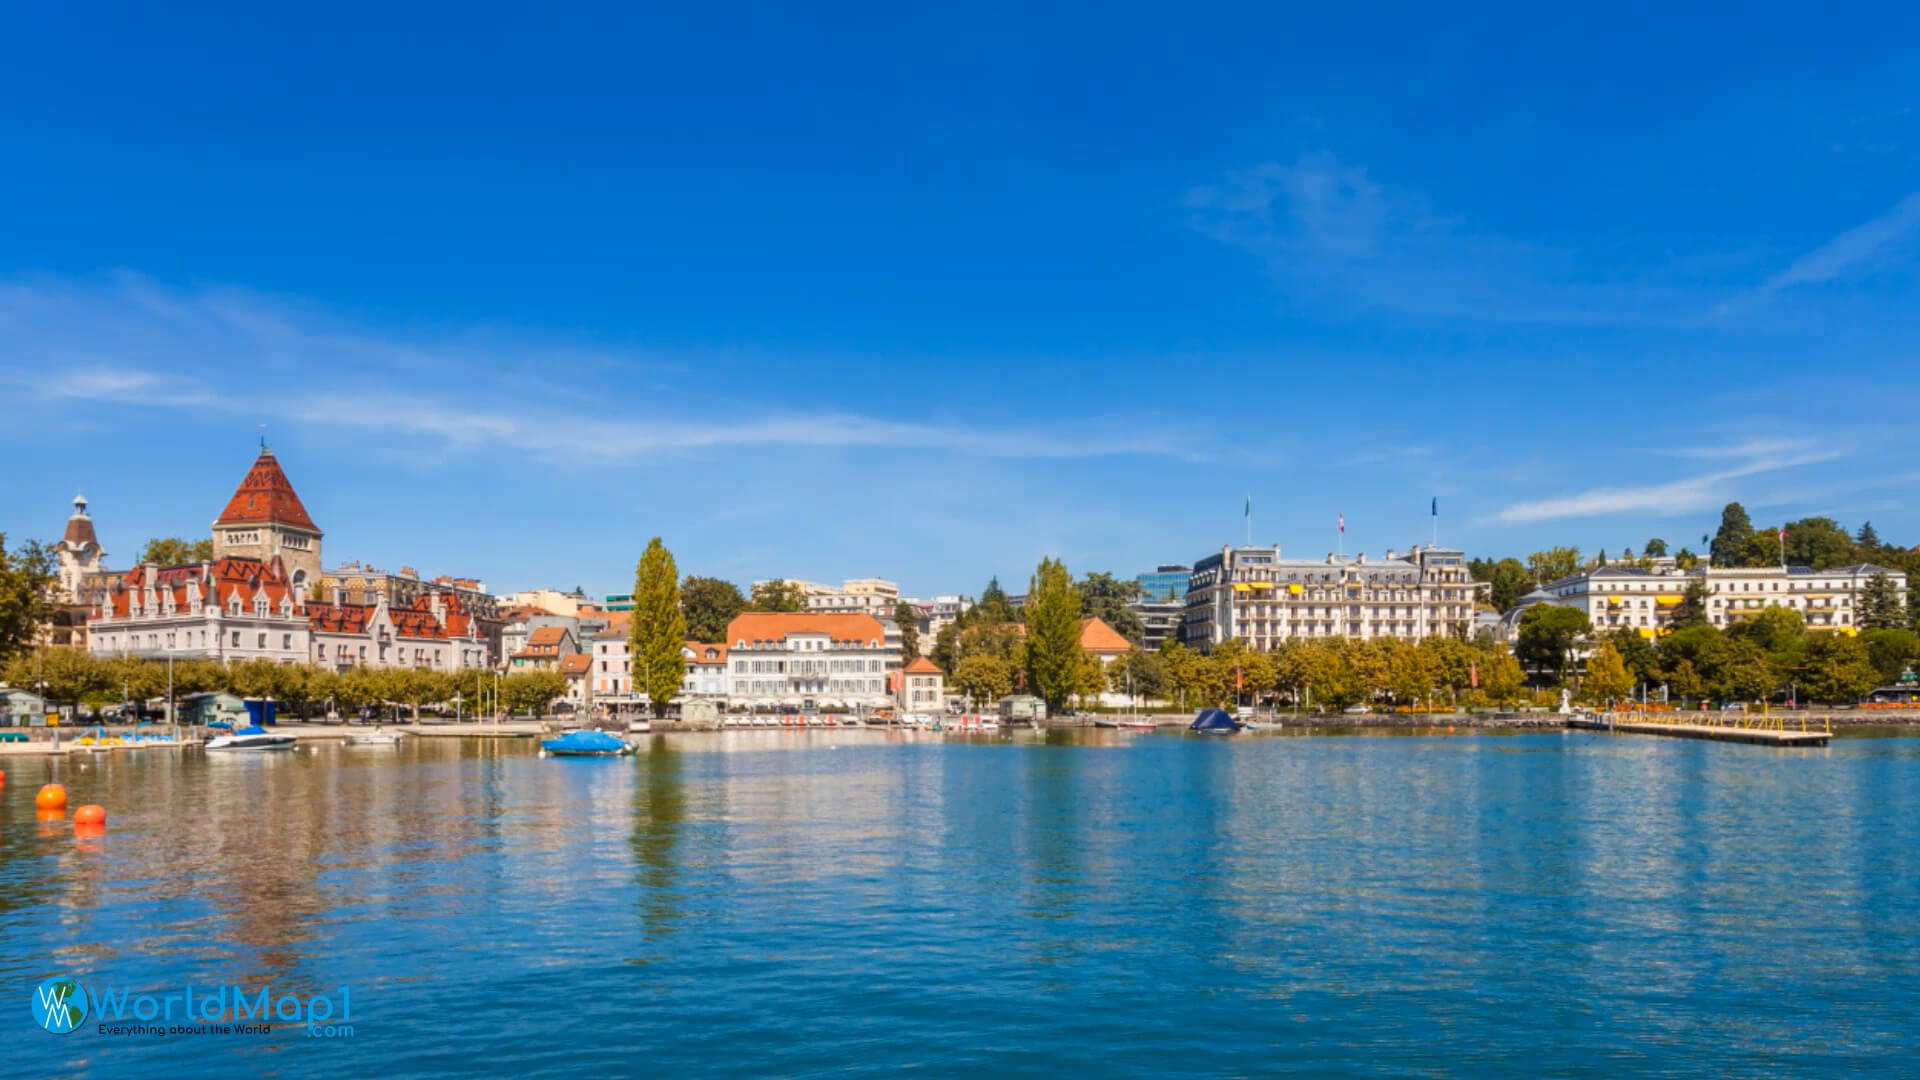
[
  {"x": 1616, "y": 597},
  {"x": 1253, "y": 594}
]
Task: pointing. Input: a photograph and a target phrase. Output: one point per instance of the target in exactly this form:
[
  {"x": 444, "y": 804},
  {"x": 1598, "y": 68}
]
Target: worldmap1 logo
[{"x": 59, "y": 1005}]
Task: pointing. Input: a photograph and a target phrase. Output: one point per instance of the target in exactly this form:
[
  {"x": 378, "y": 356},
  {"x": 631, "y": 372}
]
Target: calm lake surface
[{"x": 759, "y": 903}]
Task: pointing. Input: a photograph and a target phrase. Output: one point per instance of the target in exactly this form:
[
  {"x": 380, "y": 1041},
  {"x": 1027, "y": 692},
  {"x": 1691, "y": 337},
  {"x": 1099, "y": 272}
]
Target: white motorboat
[
  {"x": 375, "y": 738},
  {"x": 253, "y": 737}
]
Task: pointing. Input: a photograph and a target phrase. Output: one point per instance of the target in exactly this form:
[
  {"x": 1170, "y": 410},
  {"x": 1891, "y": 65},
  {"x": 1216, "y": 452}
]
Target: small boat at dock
[
  {"x": 251, "y": 737},
  {"x": 375, "y": 738},
  {"x": 1215, "y": 722},
  {"x": 585, "y": 743}
]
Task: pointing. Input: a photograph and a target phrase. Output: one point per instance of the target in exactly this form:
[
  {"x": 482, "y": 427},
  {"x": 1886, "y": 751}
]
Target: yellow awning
[
  {"x": 1668, "y": 599},
  {"x": 1260, "y": 585},
  {"x": 1646, "y": 631},
  {"x": 1240, "y": 588},
  {"x": 1295, "y": 590}
]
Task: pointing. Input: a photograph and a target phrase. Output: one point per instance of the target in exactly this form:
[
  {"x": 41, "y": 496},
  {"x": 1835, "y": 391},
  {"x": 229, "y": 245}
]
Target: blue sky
[{"x": 848, "y": 290}]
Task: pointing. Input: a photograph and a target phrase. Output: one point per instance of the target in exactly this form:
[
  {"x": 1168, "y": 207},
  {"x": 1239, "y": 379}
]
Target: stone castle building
[{"x": 258, "y": 597}]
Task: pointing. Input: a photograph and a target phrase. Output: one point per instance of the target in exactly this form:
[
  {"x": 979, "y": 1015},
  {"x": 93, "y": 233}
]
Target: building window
[
  {"x": 286, "y": 641},
  {"x": 263, "y": 641},
  {"x": 236, "y": 639}
]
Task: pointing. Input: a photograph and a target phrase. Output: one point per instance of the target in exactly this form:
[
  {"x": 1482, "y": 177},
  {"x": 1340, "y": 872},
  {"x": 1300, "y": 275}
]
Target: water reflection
[{"x": 789, "y": 903}]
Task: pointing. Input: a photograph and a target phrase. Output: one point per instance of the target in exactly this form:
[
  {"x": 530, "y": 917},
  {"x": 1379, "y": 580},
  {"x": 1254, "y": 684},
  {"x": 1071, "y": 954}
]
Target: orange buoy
[
  {"x": 90, "y": 815},
  {"x": 51, "y": 797}
]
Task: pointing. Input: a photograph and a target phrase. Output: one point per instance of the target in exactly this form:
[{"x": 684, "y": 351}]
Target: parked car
[{"x": 1356, "y": 710}]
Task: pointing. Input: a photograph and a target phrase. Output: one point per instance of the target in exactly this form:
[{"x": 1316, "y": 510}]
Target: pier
[{"x": 1752, "y": 730}]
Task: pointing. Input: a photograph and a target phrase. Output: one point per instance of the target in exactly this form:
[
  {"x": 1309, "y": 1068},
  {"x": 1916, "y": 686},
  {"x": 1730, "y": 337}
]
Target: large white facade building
[
  {"x": 807, "y": 660},
  {"x": 1254, "y": 594},
  {"x": 1623, "y": 597}
]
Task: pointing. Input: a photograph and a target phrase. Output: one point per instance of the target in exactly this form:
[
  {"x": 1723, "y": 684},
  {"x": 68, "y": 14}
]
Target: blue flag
[{"x": 1436, "y": 506}]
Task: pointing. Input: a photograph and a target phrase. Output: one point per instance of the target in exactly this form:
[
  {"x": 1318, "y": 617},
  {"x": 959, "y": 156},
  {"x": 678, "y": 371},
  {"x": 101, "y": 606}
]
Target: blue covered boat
[
  {"x": 585, "y": 743},
  {"x": 1215, "y": 722}
]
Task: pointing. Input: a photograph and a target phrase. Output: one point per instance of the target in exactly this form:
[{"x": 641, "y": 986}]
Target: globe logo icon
[{"x": 59, "y": 1005}]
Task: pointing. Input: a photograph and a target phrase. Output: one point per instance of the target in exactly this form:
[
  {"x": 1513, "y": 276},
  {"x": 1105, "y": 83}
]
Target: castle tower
[
  {"x": 265, "y": 518},
  {"x": 79, "y": 552}
]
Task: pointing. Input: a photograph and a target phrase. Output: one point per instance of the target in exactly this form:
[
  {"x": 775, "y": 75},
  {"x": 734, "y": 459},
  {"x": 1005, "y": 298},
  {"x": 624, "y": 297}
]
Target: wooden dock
[{"x": 1753, "y": 733}]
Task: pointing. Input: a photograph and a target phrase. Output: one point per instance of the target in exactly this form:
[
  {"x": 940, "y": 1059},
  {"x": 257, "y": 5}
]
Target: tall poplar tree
[
  {"x": 658, "y": 630},
  {"x": 1053, "y": 634}
]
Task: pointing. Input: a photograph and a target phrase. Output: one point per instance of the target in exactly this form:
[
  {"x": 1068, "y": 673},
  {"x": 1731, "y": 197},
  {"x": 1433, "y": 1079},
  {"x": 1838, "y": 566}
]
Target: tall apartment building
[
  {"x": 1254, "y": 594},
  {"x": 1644, "y": 600}
]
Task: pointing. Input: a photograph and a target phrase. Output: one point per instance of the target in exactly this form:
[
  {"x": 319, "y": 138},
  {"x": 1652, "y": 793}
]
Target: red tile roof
[
  {"x": 219, "y": 581},
  {"x": 699, "y": 649},
  {"x": 778, "y": 625},
  {"x": 576, "y": 664},
  {"x": 1097, "y": 637},
  {"x": 923, "y": 666},
  {"x": 546, "y": 635},
  {"x": 265, "y": 496}
]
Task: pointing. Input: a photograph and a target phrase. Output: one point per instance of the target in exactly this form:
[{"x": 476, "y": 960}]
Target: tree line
[
  {"x": 1817, "y": 542},
  {"x": 1769, "y": 655},
  {"x": 88, "y": 683}
]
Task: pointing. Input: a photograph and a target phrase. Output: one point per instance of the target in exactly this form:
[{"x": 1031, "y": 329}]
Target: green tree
[
  {"x": 658, "y": 630},
  {"x": 1683, "y": 682},
  {"x": 1891, "y": 651},
  {"x": 1692, "y": 608},
  {"x": 258, "y": 678},
  {"x": 778, "y": 595},
  {"x": 536, "y": 691},
  {"x": 1053, "y": 634},
  {"x": 710, "y": 604},
  {"x": 1837, "y": 669},
  {"x": 1105, "y": 597},
  {"x": 1655, "y": 548},
  {"x": 1601, "y": 559},
  {"x": 1685, "y": 559},
  {"x": 1185, "y": 677},
  {"x": 983, "y": 678},
  {"x": 1501, "y": 677},
  {"x": 1548, "y": 634},
  {"x": 1817, "y": 542},
  {"x": 173, "y": 551},
  {"x": 1138, "y": 673},
  {"x": 946, "y": 646},
  {"x": 1867, "y": 540},
  {"x": 907, "y": 617},
  {"x": 26, "y": 595},
  {"x": 1639, "y": 655},
  {"x": 1881, "y": 605},
  {"x": 1510, "y": 580},
  {"x": 1607, "y": 677},
  {"x": 1733, "y": 538},
  {"x": 1735, "y": 669},
  {"x": 1553, "y": 563},
  {"x": 993, "y": 606},
  {"x": 1412, "y": 671},
  {"x": 1366, "y": 662},
  {"x": 414, "y": 687},
  {"x": 61, "y": 675}
]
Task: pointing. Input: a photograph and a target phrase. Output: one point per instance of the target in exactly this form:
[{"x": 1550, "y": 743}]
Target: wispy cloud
[
  {"x": 1331, "y": 230},
  {"x": 1859, "y": 247},
  {"x": 1681, "y": 496},
  {"x": 134, "y": 343}
]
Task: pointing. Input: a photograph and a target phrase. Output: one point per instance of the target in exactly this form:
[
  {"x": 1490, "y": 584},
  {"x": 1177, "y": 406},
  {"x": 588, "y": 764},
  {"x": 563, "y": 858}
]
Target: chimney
[{"x": 1361, "y": 558}]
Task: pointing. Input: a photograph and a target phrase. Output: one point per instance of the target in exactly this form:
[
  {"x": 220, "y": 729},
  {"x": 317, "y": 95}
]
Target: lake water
[{"x": 758, "y": 903}]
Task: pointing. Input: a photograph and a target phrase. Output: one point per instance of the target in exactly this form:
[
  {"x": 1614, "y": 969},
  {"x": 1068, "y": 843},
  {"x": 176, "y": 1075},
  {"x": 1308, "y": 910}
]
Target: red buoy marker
[
  {"x": 90, "y": 815},
  {"x": 51, "y": 797}
]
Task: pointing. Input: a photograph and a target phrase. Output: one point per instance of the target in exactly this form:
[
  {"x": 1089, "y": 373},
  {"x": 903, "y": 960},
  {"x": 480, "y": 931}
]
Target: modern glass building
[{"x": 1164, "y": 584}]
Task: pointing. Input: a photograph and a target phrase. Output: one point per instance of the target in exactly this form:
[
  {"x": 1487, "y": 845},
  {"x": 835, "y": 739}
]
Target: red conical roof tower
[{"x": 265, "y": 497}]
